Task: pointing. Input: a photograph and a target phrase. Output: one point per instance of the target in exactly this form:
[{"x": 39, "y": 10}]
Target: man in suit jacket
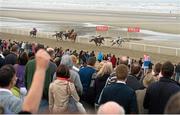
[
  {"x": 158, "y": 93},
  {"x": 119, "y": 92},
  {"x": 8, "y": 101}
]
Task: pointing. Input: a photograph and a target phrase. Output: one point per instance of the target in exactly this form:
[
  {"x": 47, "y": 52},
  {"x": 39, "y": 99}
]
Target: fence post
[
  {"x": 77, "y": 39},
  {"x": 159, "y": 50},
  {"x": 130, "y": 45},
  {"x": 144, "y": 47},
  {"x": 176, "y": 52}
]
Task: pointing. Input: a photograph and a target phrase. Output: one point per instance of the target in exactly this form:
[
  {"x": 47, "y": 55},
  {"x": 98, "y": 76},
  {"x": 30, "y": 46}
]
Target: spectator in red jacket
[{"x": 113, "y": 61}]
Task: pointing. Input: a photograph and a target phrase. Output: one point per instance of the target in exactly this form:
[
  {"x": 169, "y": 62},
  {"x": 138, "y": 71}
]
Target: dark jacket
[
  {"x": 122, "y": 94},
  {"x": 177, "y": 69},
  {"x": 1, "y": 62},
  {"x": 99, "y": 84},
  {"x": 133, "y": 83},
  {"x": 158, "y": 94},
  {"x": 11, "y": 59}
]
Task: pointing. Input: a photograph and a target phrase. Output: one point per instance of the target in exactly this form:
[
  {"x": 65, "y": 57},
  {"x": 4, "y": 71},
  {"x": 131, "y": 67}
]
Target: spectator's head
[
  {"x": 38, "y": 47},
  {"x": 62, "y": 71},
  {"x": 124, "y": 60},
  {"x": 7, "y": 76},
  {"x": 57, "y": 61},
  {"x": 31, "y": 55},
  {"x": 14, "y": 48},
  {"x": 99, "y": 65},
  {"x": 173, "y": 105},
  {"x": 23, "y": 58},
  {"x": 149, "y": 79},
  {"x": 51, "y": 52},
  {"x": 157, "y": 69},
  {"x": 135, "y": 68},
  {"x": 167, "y": 69},
  {"x": 74, "y": 59},
  {"x": 106, "y": 69},
  {"x": 66, "y": 60},
  {"x": 111, "y": 108},
  {"x": 6, "y": 52},
  {"x": 122, "y": 72},
  {"x": 91, "y": 61}
]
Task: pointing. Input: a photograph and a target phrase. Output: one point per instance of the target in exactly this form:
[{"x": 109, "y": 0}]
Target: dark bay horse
[
  {"x": 58, "y": 35},
  {"x": 98, "y": 40},
  {"x": 32, "y": 33},
  {"x": 70, "y": 35}
]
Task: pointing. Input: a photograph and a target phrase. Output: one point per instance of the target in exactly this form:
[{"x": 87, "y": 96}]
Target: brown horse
[
  {"x": 71, "y": 35},
  {"x": 98, "y": 40}
]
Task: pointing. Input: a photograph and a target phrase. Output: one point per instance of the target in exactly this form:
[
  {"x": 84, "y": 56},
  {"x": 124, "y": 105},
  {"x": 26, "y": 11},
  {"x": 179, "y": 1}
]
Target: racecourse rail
[{"x": 127, "y": 45}]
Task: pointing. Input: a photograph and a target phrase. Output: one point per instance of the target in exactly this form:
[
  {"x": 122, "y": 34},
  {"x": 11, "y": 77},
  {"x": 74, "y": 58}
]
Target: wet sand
[{"x": 167, "y": 23}]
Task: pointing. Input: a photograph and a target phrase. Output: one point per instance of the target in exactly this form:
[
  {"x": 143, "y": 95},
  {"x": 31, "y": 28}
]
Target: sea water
[{"x": 162, "y": 6}]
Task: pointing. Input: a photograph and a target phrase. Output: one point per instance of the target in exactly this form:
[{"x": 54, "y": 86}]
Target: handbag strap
[{"x": 68, "y": 89}]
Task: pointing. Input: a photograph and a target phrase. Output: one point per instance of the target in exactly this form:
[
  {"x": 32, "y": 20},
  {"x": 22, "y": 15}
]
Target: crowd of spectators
[{"x": 35, "y": 78}]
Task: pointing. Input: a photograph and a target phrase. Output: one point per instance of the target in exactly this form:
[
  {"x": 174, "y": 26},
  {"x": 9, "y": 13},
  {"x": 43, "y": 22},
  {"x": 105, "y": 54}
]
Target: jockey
[
  {"x": 34, "y": 29},
  {"x": 98, "y": 36},
  {"x": 118, "y": 40},
  {"x": 72, "y": 31}
]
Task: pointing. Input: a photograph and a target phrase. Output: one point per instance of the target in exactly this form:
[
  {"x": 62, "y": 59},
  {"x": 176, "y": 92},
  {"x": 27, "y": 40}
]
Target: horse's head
[{"x": 102, "y": 38}]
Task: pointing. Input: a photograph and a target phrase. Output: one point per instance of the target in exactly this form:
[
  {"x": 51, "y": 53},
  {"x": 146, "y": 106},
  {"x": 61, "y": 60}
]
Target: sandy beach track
[{"x": 88, "y": 47}]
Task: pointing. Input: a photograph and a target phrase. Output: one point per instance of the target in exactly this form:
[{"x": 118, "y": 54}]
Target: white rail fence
[{"x": 128, "y": 45}]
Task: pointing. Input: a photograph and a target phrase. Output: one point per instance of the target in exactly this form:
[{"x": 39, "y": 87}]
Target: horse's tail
[
  {"x": 30, "y": 33},
  {"x": 91, "y": 40}
]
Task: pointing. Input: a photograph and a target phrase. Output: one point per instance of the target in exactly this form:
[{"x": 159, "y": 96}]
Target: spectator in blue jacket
[{"x": 100, "y": 56}]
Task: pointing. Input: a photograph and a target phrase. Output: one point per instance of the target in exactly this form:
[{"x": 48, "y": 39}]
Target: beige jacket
[
  {"x": 59, "y": 93},
  {"x": 140, "y": 99}
]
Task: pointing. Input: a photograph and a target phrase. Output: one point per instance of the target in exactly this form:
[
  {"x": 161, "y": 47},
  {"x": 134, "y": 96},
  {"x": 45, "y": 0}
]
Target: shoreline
[
  {"x": 92, "y": 11},
  {"x": 149, "y": 21}
]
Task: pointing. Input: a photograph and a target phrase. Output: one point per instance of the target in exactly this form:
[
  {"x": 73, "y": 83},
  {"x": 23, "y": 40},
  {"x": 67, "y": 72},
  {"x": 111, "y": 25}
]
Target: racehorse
[
  {"x": 58, "y": 35},
  {"x": 70, "y": 35},
  {"x": 98, "y": 40},
  {"x": 33, "y": 32},
  {"x": 117, "y": 41}
]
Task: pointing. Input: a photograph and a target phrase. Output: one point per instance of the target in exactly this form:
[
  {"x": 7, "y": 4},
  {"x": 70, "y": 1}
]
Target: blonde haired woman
[{"x": 101, "y": 78}]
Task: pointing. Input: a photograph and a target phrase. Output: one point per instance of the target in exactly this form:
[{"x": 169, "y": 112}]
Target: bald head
[
  {"x": 124, "y": 60},
  {"x": 51, "y": 52},
  {"x": 111, "y": 108}
]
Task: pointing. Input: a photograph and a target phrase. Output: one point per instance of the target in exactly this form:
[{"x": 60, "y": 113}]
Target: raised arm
[{"x": 33, "y": 98}]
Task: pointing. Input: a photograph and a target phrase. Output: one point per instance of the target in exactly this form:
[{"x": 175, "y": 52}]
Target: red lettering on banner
[
  {"x": 102, "y": 28},
  {"x": 133, "y": 29}
]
